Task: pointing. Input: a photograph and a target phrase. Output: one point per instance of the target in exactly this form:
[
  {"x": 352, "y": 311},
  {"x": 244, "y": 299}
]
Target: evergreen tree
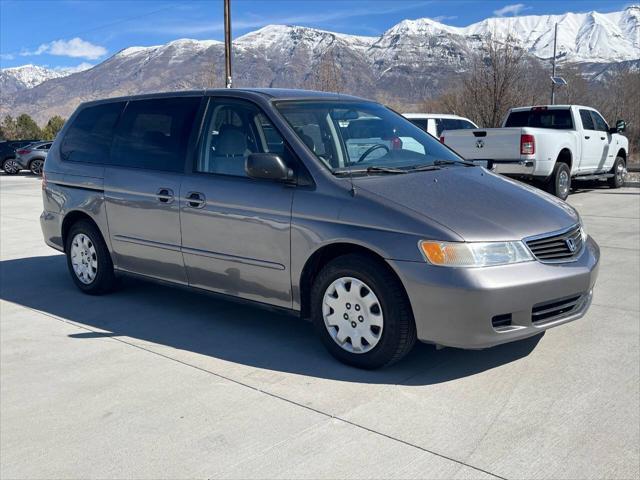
[
  {"x": 27, "y": 128},
  {"x": 8, "y": 128},
  {"x": 54, "y": 125}
]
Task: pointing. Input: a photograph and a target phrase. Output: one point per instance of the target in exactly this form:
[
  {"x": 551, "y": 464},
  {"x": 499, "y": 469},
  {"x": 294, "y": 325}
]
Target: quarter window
[
  {"x": 89, "y": 137},
  {"x": 153, "y": 134}
]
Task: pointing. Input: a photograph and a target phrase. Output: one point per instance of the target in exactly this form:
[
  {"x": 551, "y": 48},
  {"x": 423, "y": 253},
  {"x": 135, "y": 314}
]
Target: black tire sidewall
[
  {"x": 393, "y": 302},
  {"x": 3, "y": 164},
  {"x": 613, "y": 182},
  {"x": 104, "y": 280},
  {"x": 555, "y": 180},
  {"x": 31, "y": 166}
]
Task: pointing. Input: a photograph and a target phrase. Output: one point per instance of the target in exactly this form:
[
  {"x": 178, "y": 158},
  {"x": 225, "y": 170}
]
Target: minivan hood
[{"x": 474, "y": 203}]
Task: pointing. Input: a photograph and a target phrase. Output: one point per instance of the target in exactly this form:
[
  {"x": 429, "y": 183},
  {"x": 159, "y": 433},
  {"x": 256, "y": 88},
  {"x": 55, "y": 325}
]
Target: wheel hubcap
[
  {"x": 563, "y": 183},
  {"x": 352, "y": 315},
  {"x": 84, "y": 258},
  {"x": 36, "y": 167},
  {"x": 620, "y": 172},
  {"x": 11, "y": 166}
]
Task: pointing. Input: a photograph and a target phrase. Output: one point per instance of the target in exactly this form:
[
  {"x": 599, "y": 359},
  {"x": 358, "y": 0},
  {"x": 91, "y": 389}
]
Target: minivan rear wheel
[
  {"x": 361, "y": 312},
  {"x": 88, "y": 259}
]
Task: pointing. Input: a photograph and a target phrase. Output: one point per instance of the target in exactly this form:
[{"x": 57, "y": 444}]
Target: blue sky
[{"x": 67, "y": 33}]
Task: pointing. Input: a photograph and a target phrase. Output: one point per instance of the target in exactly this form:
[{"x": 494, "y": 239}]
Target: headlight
[{"x": 474, "y": 254}]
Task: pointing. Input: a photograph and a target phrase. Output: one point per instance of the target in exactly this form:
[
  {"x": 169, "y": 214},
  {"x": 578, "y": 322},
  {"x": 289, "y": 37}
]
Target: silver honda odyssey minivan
[{"x": 328, "y": 205}]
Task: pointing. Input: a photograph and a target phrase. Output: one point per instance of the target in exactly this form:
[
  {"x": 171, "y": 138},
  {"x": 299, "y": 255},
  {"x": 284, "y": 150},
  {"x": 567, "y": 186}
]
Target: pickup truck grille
[{"x": 561, "y": 247}]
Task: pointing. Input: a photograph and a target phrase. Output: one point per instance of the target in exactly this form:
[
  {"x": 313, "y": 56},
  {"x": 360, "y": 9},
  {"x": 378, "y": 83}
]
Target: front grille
[
  {"x": 557, "y": 247},
  {"x": 556, "y": 309}
]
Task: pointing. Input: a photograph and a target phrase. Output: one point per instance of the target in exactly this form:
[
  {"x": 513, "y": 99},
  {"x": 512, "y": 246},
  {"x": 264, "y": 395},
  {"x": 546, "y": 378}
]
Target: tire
[
  {"x": 98, "y": 276},
  {"x": 36, "y": 166},
  {"x": 617, "y": 180},
  {"x": 559, "y": 184},
  {"x": 395, "y": 335},
  {"x": 10, "y": 166}
]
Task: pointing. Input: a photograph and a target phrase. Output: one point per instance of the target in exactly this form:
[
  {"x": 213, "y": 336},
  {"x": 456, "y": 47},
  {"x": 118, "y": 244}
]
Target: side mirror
[
  {"x": 621, "y": 126},
  {"x": 268, "y": 166}
]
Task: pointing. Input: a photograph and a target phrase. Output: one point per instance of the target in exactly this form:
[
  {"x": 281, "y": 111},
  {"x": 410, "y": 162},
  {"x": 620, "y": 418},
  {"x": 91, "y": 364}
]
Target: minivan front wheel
[
  {"x": 361, "y": 312},
  {"x": 88, "y": 259}
]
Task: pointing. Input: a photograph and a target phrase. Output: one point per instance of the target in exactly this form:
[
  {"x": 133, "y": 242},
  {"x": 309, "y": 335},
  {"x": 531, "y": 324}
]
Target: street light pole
[
  {"x": 553, "y": 74},
  {"x": 227, "y": 43}
]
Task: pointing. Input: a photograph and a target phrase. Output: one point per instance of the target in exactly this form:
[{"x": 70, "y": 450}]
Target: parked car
[
  {"x": 8, "y": 154},
  {"x": 255, "y": 194},
  {"x": 550, "y": 144},
  {"x": 436, "y": 123},
  {"x": 32, "y": 156}
]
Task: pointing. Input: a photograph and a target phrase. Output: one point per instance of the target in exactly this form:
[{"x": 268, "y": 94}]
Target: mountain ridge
[{"x": 412, "y": 58}]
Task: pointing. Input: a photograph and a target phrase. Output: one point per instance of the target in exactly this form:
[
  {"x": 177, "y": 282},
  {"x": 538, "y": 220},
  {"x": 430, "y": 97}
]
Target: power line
[{"x": 110, "y": 24}]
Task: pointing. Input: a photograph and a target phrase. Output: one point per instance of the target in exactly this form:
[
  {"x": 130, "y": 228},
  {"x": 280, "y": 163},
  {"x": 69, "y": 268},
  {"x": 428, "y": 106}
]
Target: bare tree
[{"x": 501, "y": 76}]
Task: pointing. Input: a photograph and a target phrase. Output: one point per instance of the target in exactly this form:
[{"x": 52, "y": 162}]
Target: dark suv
[{"x": 8, "y": 154}]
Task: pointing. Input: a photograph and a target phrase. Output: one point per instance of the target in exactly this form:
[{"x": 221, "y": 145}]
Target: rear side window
[
  {"x": 89, "y": 137},
  {"x": 153, "y": 134},
  {"x": 443, "y": 124},
  {"x": 587, "y": 121},
  {"x": 420, "y": 122},
  {"x": 553, "y": 118}
]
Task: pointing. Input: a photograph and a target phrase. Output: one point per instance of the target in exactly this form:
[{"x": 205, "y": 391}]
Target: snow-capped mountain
[
  {"x": 413, "y": 59},
  {"x": 28, "y": 76}
]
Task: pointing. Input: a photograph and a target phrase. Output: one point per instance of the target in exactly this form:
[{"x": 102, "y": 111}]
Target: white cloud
[
  {"x": 6, "y": 56},
  {"x": 76, "y": 48},
  {"x": 442, "y": 18},
  {"x": 78, "y": 68},
  {"x": 514, "y": 9}
]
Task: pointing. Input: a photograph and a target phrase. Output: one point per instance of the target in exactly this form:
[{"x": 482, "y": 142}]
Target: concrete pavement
[{"x": 157, "y": 382}]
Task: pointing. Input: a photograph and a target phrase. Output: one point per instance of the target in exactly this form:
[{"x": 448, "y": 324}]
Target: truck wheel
[
  {"x": 361, "y": 312},
  {"x": 559, "y": 184},
  {"x": 88, "y": 259},
  {"x": 618, "y": 168}
]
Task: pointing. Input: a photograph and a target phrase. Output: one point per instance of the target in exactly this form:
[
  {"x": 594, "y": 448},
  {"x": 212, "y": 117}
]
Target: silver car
[
  {"x": 327, "y": 205},
  {"x": 32, "y": 156}
]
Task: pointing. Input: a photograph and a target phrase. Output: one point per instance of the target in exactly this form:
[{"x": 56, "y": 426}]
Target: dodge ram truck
[{"x": 549, "y": 145}]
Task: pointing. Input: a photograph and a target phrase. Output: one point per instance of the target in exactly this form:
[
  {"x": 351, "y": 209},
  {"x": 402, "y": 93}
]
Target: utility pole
[
  {"x": 553, "y": 74},
  {"x": 227, "y": 43}
]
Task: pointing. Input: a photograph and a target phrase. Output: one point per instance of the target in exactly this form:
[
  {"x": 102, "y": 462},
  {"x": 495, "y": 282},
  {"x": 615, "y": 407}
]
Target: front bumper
[{"x": 459, "y": 307}]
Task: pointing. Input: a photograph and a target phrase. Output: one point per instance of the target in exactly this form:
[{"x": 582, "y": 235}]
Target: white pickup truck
[{"x": 551, "y": 144}]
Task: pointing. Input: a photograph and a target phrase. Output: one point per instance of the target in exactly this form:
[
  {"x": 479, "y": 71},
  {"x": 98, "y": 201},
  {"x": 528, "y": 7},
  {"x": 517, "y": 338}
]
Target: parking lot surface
[{"x": 157, "y": 382}]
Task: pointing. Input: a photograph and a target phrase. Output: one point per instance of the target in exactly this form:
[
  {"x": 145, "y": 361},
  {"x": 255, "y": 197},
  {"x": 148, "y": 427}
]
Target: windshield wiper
[
  {"x": 372, "y": 169},
  {"x": 454, "y": 162}
]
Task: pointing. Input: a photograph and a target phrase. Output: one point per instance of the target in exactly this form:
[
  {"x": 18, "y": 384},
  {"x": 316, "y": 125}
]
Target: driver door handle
[
  {"x": 587, "y": 137},
  {"x": 165, "y": 195},
  {"x": 196, "y": 199}
]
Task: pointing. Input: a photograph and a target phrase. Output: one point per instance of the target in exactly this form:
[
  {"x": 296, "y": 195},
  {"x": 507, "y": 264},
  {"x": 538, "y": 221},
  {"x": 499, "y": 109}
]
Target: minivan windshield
[{"x": 364, "y": 137}]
